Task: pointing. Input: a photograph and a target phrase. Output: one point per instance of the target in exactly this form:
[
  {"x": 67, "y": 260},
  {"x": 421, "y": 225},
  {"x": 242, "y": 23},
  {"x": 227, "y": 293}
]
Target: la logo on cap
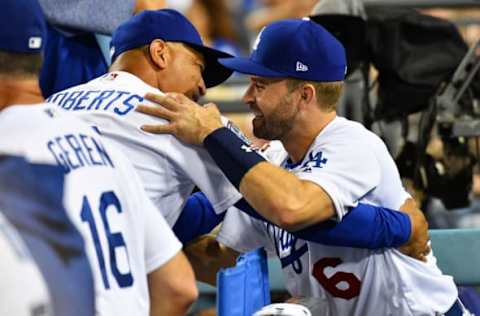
[{"x": 35, "y": 42}]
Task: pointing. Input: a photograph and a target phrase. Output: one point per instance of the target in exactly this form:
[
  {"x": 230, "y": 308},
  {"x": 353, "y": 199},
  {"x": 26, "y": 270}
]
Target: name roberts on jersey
[{"x": 116, "y": 101}]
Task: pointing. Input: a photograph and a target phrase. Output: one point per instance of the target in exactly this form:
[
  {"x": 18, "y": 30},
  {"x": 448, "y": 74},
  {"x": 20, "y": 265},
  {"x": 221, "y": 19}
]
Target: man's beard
[{"x": 278, "y": 123}]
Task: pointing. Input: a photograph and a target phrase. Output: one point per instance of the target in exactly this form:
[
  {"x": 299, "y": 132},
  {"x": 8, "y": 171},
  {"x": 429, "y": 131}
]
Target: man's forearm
[{"x": 207, "y": 256}]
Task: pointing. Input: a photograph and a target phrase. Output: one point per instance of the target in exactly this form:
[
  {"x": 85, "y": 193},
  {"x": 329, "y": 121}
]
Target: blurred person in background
[
  {"x": 272, "y": 10},
  {"x": 42, "y": 252},
  {"x": 215, "y": 23}
]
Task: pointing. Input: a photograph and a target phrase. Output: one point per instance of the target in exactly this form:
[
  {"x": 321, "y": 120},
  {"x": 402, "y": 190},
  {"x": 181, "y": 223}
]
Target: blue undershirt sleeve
[
  {"x": 364, "y": 226},
  {"x": 197, "y": 218}
]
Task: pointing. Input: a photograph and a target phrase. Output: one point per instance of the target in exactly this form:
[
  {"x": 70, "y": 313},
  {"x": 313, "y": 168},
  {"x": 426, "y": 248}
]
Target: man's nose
[
  {"x": 202, "y": 89},
  {"x": 248, "y": 95}
]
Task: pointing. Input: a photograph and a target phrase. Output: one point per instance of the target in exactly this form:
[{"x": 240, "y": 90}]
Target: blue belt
[{"x": 455, "y": 310}]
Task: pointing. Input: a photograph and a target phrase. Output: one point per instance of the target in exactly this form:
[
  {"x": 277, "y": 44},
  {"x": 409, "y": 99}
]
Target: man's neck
[
  {"x": 19, "y": 91},
  {"x": 134, "y": 63},
  {"x": 299, "y": 140}
]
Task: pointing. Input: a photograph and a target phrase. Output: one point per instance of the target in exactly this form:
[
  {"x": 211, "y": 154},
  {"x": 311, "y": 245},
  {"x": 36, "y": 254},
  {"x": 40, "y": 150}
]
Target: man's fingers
[
  {"x": 167, "y": 101},
  {"x": 179, "y": 97},
  {"x": 409, "y": 206},
  {"x": 158, "y": 129},
  {"x": 211, "y": 107},
  {"x": 419, "y": 251},
  {"x": 427, "y": 250},
  {"x": 156, "y": 111},
  {"x": 422, "y": 258}
]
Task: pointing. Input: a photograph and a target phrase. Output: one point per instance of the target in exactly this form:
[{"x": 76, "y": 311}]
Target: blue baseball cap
[
  {"x": 22, "y": 26},
  {"x": 170, "y": 26},
  {"x": 296, "y": 48}
]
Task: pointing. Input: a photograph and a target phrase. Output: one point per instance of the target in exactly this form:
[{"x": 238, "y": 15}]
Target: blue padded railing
[{"x": 458, "y": 253}]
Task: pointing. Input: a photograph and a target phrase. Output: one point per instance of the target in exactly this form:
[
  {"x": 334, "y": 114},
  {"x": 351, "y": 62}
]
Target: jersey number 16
[{"x": 115, "y": 240}]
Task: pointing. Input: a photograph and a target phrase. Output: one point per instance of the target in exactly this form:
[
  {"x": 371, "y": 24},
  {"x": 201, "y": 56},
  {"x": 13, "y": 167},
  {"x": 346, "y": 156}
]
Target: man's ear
[
  {"x": 307, "y": 93},
  {"x": 159, "y": 53}
]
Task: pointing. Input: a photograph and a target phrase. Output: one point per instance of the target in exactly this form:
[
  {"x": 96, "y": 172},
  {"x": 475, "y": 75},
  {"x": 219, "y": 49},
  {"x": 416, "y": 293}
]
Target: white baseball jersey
[
  {"x": 352, "y": 165},
  {"x": 168, "y": 168},
  {"x": 19, "y": 272},
  {"x": 125, "y": 236}
]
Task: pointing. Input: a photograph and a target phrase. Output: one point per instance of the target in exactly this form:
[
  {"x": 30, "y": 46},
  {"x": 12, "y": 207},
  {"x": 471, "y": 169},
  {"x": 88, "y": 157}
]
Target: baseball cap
[
  {"x": 294, "y": 48},
  {"x": 22, "y": 26},
  {"x": 171, "y": 26}
]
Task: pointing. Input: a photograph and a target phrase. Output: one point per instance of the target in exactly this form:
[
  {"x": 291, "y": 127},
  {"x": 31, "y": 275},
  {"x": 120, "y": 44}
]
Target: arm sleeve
[
  {"x": 365, "y": 226},
  {"x": 97, "y": 16},
  {"x": 197, "y": 218}
]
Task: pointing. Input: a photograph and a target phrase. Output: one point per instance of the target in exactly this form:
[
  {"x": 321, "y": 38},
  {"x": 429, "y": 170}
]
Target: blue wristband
[{"x": 234, "y": 157}]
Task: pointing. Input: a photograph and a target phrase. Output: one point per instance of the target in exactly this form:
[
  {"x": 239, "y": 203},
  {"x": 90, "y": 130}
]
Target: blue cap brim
[
  {"x": 249, "y": 67},
  {"x": 215, "y": 73}
]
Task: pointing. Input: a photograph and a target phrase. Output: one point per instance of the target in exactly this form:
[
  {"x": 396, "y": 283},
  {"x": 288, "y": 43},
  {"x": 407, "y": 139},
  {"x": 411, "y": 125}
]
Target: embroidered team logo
[
  {"x": 313, "y": 160},
  {"x": 316, "y": 160},
  {"x": 301, "y": 67},
  {"x": 289, "y": 248}
]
